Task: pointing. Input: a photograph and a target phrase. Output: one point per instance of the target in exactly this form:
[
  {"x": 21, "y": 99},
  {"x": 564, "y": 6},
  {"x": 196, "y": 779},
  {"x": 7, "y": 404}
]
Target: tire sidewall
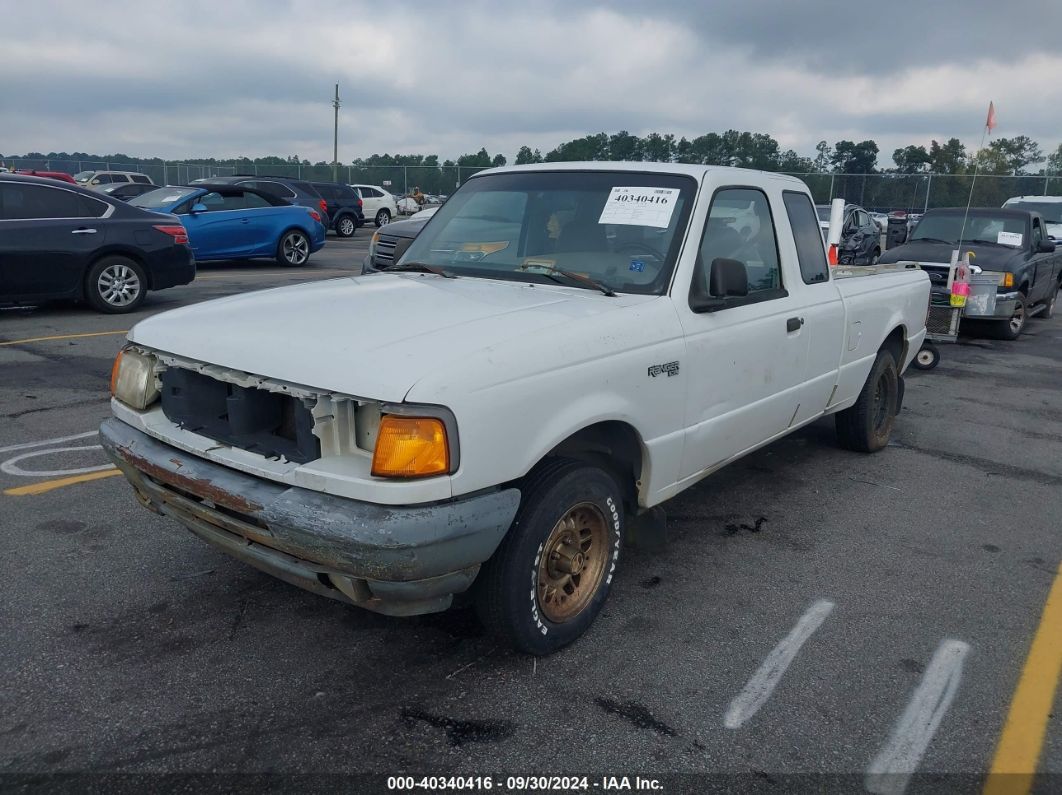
[
  {"x": 1008, "y": 333},
  {"x": 382, "y": 214},
  {"x": 533, "y": 631},
  {"x": 884, "y": 365},
  {"x": 92, "y": 287}
]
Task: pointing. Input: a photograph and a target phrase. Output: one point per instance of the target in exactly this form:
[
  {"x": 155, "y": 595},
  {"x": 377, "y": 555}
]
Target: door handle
[
  {"x": 245, "y": 220},
  {"x": 794, "y": 324},
  {"x": 83, "y": 231}
]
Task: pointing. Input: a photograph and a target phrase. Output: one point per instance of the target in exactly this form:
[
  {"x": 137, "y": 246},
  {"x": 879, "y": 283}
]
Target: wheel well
[
  {"x": 295, "y": 228},
  {"x": 896, "y": 344},
  {"x": 116, "y": 253},
  {"x": 1024, "y": 289},
  {"x": 613, "y": 445}
]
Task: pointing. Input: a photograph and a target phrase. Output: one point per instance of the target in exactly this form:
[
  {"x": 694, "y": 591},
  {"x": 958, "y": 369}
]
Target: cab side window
[
  {"x": 1037, "y": 234},
  {"x": 739, "y": 228},
  {"x": 807, "y": 236}
]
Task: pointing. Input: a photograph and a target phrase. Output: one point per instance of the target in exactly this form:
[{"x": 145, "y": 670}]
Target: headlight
[
  {"x": 410, "y": 447},
  {"x": 372, "y": 246},
  {"x": 133, "y": 379}
]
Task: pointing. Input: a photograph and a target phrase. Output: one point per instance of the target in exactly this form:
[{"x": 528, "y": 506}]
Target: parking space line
[
  {"x": 759, "y": 688},
  {"x": 1014, "y": 765},
  {"x": 51, "y": 485},
  {"x": 43, "y": 442},
  {"x": 63, "y": 337},
  {"x": 891, "y": 770}
]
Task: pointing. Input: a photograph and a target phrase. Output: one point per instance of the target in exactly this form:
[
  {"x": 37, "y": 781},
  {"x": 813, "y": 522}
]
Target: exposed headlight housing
[{"x": 133, "y": 379}]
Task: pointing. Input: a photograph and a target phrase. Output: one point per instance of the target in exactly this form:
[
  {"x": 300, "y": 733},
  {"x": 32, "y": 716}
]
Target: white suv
[
  {"x": 92, "y": 179},
  {"x": 377, "y": 203}
]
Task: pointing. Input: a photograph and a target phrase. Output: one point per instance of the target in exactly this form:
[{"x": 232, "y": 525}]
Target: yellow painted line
[
  {"x": 50, "y": 485},
  {"x": 64, "y": 337},
  {"x": 1014, "y": 766}
]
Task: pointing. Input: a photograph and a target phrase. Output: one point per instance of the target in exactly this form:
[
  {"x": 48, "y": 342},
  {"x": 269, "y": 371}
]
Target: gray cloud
[{"x": 255, "y": 78}]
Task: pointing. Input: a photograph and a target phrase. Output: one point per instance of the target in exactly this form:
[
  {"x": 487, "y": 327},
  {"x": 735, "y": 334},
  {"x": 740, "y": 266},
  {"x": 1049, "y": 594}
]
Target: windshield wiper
[
  {"x": 932, "y": 240},
  {"x": 420, "y": 267},
  {"x": 577, "y": 277},
  {"x": 987, "y": 242}
]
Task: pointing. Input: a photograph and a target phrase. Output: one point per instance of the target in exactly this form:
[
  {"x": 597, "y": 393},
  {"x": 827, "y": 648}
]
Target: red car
[{"x": 49, "y": 174}]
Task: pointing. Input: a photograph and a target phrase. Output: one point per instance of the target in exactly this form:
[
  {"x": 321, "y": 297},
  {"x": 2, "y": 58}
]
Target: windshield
[
  {"x": 83, "y": 176},
  {"x": 824, "y": 213},
  {"x": 979, "y": 228},
  {"x": 161, "y": 197},
  {"x": 622, "y": 229},
  {"x": 1051, "y": 211}
]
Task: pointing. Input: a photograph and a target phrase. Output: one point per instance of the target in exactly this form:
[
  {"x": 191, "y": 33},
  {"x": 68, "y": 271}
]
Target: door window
[
  {"x": 1037, "y": 234},
  {"x": 805, "y": 225},
  {"x": 141, "y": 178},
  {"x": 274, "y": 188},
  {"x": 740, "y": 227},
  {"x": 253, "y": 200},
  {"x": 22, "y": 202}
]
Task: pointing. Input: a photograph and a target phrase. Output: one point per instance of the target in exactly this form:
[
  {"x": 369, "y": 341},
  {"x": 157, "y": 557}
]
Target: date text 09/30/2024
[{"x": 524, "y": 783}]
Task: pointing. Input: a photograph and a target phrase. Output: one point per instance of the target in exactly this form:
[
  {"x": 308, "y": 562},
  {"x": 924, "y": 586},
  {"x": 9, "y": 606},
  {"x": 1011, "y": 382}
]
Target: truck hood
[
  {"x": 370, "y": 336},
  {"x": 989, "y": 258}
]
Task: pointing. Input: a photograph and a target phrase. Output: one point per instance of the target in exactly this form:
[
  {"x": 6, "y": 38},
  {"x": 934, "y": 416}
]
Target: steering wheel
[{"x": 634, "y": 244}]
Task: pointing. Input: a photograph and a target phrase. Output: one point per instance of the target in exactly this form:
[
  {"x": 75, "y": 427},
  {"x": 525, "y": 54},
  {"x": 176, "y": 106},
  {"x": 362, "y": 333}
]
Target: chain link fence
[
  {"x": 400, "y": 180},
  {"x": 878, "y": 192}
]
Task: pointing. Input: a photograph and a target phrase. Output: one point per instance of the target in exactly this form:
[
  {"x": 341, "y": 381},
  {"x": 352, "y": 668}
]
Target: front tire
[
  {"x": 115, "y": 285},
  {"x": 866, "y": 426},
  {"x": 550, "y": 576},
  {"x": 383, "y": 218},
  {"x": 293, "y": 249},
  {"x": 346, "y": 227},
  {"x": 875, "y": 255},
  {"x": 1049, "y": 312},
  {"x": 1012, "y": 328}
]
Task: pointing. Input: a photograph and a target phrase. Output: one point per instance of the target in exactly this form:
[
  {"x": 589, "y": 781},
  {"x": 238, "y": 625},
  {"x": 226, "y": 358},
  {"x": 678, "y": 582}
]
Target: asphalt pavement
[{"x": 809, "y": 603}]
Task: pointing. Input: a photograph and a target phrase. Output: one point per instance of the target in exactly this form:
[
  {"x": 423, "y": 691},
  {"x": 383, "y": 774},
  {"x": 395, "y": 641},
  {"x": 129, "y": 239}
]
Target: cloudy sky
[{"x": 234, "y": 77}]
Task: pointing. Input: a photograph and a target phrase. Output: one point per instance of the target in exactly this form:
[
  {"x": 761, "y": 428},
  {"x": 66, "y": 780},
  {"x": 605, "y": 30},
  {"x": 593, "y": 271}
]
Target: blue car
[{"x": 237, "y": 222}]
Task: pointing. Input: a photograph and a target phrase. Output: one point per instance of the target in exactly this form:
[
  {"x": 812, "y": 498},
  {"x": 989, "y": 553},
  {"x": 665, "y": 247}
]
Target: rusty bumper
[{"x": 398, "y": 560}]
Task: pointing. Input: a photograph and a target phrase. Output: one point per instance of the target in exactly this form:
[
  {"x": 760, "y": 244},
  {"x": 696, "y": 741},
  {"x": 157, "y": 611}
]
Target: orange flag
[{"x": 990, "y": 122}]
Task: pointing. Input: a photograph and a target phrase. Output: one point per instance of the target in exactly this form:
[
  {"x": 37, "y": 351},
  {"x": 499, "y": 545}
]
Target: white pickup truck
[{"x": 563, "y": 347}]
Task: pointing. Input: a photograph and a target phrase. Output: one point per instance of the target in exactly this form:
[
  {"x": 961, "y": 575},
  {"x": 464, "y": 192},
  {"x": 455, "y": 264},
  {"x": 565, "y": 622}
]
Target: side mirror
[
  {"x": 726, "y": 279},
  {"x": 1046, "y": 246},
  {"x": 198, "y": 207}
]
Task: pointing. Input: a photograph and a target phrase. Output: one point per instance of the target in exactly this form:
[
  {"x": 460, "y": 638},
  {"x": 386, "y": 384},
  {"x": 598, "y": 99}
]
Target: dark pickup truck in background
[{"x": 1009, "y": 246}]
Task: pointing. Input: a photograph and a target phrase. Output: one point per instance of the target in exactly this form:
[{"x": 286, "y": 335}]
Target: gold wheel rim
[{"x": 573, "y": 562}]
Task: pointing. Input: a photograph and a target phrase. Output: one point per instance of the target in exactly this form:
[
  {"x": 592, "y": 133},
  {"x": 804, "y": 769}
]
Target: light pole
[{"x": 335, "y": 139}]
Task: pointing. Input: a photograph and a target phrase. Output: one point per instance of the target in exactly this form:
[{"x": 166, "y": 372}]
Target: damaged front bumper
[{"x": 396, "y": 560}]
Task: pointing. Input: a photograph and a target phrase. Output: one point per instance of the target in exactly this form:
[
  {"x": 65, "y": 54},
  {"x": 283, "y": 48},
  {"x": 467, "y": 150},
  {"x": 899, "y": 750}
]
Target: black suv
[
  {"x": 296, "y": 191},
  {"x": 344, "y": 207}
]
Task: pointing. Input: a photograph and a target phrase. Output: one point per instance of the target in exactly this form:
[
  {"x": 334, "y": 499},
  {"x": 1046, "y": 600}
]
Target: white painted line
[
  {"x": 11, "y": 467},
  {"x": 759, "y": 688},
  {"x": 892, "y": 768},
  {"x": 27, "y": 445}
]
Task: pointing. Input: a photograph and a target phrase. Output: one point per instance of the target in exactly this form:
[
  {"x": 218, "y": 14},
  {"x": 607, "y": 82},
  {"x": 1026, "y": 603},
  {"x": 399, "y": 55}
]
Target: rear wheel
[
  {"x": 294, "y": 248},
  {"x": 115, "y": 285},
  {"x": 1049, "y": 311},
  {"x": 345, "y": 226},
  {"x": 866, "y": 426},
  {"x": 383, "y": 218},
  {"x": 1012, "y": 328},
  {"x": 550, "y": 576}
]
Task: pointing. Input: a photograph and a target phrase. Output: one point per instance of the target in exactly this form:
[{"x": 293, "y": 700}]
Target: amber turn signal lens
[
  {"x": 114, "y": 370},
  {"x": 410, "y": 447},
  {"x": 1008, "y": 279}
]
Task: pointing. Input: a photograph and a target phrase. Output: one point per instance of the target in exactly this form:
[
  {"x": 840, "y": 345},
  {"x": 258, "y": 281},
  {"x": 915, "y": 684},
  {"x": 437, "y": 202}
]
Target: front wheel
[
  {"x": 115, "y": 285},
  {"x": 550, "y": 576},
  {"x": 927, "y": 358},
  {"x": 345, "y": 227},
  {"x": 867, "y": 425},
  {"x": 1012, "y": 328},
  {"x": 383, "y": 218},
  {"x": 875, "y": 255},
  {"x": 294, "y": 248}
]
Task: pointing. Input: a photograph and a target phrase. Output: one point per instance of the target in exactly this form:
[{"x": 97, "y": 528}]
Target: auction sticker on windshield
[
  {"x": 640, "y": 206},
  {"x": 1009, "y": 238}
]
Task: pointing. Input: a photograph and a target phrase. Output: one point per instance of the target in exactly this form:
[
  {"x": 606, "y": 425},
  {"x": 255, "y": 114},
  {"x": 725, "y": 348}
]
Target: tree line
[{"x": 840, "y": 169}]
